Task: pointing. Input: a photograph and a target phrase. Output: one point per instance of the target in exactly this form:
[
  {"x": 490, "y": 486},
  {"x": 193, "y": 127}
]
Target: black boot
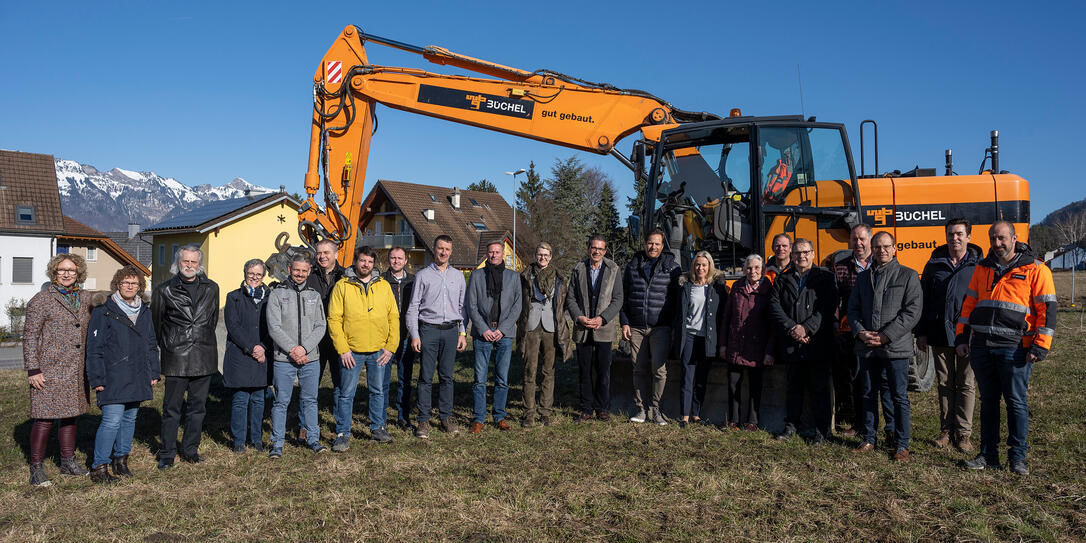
[
  {"x": 38, "y": 476},
  {"x": 120, "y": 466},
  {"x": 101, "y": 475},
  {"x": 68, "y": 466}
]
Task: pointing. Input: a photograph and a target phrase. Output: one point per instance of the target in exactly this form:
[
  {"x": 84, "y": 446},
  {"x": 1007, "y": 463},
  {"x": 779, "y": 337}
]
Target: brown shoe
[
  {"x": 101, "y": 475},
  {"x": 120, "y": 466},
  {"x": 527, "y": 423},
  {"x": 943, "y": 440},
  {"x": 583, "y": 417},
  {"x": 864, "y": 447},
  {"x": 301, "y": 435},
  {"x": 964, "y": 444},
  {"x": 847, "y": 433},
  {"x": 750, "y": 427},
  {"x": 604, "y": 417},
  {"x": 503, "y": 425},
  {"x": 547, "y": 421},
  {"x": 902, "y": 455},
  {"x": 476, "y": 428},
  {"x": 449, "y": 426}
]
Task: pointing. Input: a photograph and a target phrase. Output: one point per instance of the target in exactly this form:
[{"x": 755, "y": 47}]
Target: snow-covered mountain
[{"x": 108, "y": 201}]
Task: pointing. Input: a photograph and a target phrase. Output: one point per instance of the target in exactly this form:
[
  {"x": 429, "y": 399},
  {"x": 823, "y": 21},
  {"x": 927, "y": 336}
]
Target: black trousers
[
  {"x": 438, "y": 353},
  {"x": 810, "y": 378},
  {"x": 195, "y": 409},
  {"x": 743, "y": 409},
  {"x": 594, "y": 364}
]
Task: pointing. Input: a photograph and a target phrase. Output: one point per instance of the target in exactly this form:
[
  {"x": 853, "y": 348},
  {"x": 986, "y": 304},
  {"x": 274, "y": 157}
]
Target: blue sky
[{"x": 205, "y": 92}]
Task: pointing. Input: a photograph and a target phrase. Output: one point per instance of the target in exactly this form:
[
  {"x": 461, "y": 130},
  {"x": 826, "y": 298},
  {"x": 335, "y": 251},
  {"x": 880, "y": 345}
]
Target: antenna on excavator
[{"x": 802, "y": 109}]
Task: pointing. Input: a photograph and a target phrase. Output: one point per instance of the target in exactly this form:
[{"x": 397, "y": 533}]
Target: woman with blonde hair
[
  {"x": 702, "y": 291},
  {"x": 53, "y": 352}
]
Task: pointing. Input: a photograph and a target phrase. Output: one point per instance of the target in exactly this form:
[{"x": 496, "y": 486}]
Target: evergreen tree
[
  {"x": 605, "y": 222},
  {"x": 567, "y": 226},
  {"x": 530, "y": 191},
  {"x": 483, "y": 185}
]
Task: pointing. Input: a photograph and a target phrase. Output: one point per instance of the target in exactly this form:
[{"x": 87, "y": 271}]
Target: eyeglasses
[
  {"x": 261, "y": 274},
  {"x": 807, "y": 252},
  {"x": 130, "y": 284},
  {"x": 68, "y": 271}
]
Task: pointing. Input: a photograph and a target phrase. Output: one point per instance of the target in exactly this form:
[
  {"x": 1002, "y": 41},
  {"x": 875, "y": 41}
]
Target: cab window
[{"x": 785, "y": 164}]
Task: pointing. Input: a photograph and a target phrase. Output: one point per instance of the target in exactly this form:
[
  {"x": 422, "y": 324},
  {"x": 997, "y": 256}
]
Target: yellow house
[{"x": 229, "y": 232}]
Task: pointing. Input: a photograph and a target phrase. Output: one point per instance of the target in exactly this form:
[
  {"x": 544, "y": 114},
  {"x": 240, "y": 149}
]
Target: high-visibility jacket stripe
[
  {"x": 1019, "y": 302},
  {"x": 1000, "y": 304}
]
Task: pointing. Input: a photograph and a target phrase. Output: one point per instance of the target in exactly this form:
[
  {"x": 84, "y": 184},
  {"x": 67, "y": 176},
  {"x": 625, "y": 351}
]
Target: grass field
[{"x": 592, "y": 482}]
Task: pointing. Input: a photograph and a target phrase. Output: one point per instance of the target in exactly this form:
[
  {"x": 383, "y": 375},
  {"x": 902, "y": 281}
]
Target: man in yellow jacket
[
  {"x": 1007, "y": 322},
  {"x": 364, "y": 324}
]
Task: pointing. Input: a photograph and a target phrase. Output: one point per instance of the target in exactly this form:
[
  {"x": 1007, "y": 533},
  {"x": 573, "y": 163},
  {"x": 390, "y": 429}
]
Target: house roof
[
  {"x": 492, "y": 213},
  {"x": 29, "y": 179},
  {"x": 77, "y": 231},
  {"x": 215, "y": 214},
  {"x": 137, "y": 246},
  {"x": 487, "y": 236}
]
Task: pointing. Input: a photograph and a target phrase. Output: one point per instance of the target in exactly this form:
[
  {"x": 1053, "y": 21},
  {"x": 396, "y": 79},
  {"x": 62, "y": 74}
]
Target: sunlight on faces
[
  {"x": 129, "y": 287},
  {"x": 957, "y": 239},
  {"x": 299, "y": 272},
  {"x": 701, "y": 269},
  {"x": 189, "y": 264},
  {"x": 860, "y": 241},
  {"x": 1002, "y": 239},
  {"x": 363, "y": 266},
  {"x": 326, "y": 255},
  {"x": 67, "y": 273},
  {"x": 254, "y": 276},
  {"x": 654, "y": 245},
  {"x": 802, "y": 256},
  {"x": 753, "y": 271},
  {"x": 782, "y": 249},
  {"x": 397, "y": 259},
  {"x": 883, "y": 248},
  {"x": 596, "y": 251},
  {"x": 442, "y": 252},
  {"x": 495, "y": 253},
  {"x": 542, "y": 257}
]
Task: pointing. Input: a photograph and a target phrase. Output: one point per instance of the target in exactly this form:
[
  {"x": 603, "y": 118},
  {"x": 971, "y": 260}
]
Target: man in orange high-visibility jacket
[{"x": 1007, "y": 323}]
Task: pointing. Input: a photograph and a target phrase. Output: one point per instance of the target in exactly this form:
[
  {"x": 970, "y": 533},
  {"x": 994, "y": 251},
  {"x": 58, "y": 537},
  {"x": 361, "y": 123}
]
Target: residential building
[
  {"x": 411, "y": 215},
  {"x": 229, "y": 232},
  {"x": 104, "y": 257},
  {"x": 30, "y": 220},
  {"x": 134, "y": 243}
]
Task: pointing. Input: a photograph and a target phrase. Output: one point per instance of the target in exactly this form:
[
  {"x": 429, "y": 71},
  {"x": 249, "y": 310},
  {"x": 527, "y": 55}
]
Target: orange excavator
[{"x": 722, "y": 184}]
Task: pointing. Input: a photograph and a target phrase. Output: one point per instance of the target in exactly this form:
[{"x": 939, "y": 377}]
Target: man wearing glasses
[
  {"x": 802, "y": 305},
  {"x": 883, "y": 309}
]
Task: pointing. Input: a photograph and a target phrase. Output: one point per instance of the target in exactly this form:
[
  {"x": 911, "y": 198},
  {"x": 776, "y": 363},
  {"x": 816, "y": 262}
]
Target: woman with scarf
[
  {"x": 703, "y": 290},
  {"x": 541, "y": 330},
  {"x": 54, "y": 339},
  {"x": 245, "y": 365},
  {"x": 746, "y": 343},
  {"x": 122, "y": 366}
]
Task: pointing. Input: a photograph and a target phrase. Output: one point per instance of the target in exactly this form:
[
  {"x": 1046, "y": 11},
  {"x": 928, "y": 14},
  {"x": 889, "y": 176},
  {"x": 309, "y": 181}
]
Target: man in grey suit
[
  {"x": 493, "y": 306},
  {"x": 594, "y": 299}
]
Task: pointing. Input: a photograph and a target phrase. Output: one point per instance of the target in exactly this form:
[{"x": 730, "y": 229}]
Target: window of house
[
  {"x": 24, "y": 214},
  {"x": 64, "y": 249},
  {"x": 479, "y": 225},
  {"x": 161, "y": 254},
  {"x": 90, "y": 283},
  {"x": 173, "y": 251},
  {"x": 92, "y": 254},
  {"x": 22, "y": 270},
  {"x": 474, "y": 202},
  {"x": 432, "y": 197}
]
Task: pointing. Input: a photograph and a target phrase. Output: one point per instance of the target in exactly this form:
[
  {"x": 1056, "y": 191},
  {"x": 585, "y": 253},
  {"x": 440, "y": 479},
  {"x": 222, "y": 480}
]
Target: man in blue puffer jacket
[{"x": 650, "y": 284}]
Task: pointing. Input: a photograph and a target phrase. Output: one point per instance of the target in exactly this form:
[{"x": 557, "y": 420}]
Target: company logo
[
  {"x": 880, "y": 215},
  {"x": 484, "y": 103}
]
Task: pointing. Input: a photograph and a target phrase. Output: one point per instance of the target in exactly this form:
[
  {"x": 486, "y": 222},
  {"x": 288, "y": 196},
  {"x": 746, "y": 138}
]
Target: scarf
[
  {"x": 131, "y": 310},
  {"x": 494, "y": 275},
  {"x": 544, "y": 278},
  {"x": 70, "y": 294},
  {"x": 255, "y": 294}
]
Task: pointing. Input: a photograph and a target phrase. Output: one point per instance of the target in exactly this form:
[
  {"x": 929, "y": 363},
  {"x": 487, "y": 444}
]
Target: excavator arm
[{"x": 541, "y": 105}]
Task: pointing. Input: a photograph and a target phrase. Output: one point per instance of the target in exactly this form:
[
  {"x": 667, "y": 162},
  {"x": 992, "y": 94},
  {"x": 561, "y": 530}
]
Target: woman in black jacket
[
  {"x": 695, "y": 331},
  {"x": 245, "y": 367},
  {"x": 122, "y": 366}
]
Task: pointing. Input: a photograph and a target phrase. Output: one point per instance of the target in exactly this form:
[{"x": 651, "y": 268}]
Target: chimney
[
  {"x": 428, "y": 213},
  {"x": 282, "y": 188},
  {"x": 456, "y": 198},
  {"x": 133, "y": 229}
]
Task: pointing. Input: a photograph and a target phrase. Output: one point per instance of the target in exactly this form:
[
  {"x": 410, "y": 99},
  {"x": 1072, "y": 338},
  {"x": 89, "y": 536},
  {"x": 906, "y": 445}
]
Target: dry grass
[{"x": 592, "y": 482}]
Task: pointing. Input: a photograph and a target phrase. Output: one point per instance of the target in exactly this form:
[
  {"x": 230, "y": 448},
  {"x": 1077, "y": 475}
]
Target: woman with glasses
[
  {"x": 245, "y": 365},
  {"x": 122, "y": 366},
  {"x": 54, "y": 340}
]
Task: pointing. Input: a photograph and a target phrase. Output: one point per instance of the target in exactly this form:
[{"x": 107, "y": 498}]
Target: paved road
[{"x": 11, "y": 357}]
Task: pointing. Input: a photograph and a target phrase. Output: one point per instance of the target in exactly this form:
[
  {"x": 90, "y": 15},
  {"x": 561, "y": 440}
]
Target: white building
[{"x": 30, "y": 220}]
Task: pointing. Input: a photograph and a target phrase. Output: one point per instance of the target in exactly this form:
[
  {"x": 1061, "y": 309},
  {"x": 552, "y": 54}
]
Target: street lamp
[{"x": 515, "y": 174}]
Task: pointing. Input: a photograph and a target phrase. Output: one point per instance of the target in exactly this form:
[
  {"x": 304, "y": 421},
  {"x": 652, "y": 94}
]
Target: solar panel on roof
[{"x": 205, "y": 213}]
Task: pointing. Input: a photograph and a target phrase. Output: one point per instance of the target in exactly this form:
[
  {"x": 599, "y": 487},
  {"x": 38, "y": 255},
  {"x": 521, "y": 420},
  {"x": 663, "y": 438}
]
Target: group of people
[{"x": 852, "y": 323}]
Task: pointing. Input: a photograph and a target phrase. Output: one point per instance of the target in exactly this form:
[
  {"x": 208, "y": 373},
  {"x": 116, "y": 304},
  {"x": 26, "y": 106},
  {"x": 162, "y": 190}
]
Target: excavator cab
[{"x": 729, "y": 185}]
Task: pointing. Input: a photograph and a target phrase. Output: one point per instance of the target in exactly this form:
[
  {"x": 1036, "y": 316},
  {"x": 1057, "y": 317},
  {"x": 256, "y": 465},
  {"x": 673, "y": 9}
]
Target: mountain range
[{"x": 108, "y": 201}]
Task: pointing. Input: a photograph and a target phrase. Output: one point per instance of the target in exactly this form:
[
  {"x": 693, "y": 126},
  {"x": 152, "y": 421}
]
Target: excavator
[{"x": 726, "y": 184}]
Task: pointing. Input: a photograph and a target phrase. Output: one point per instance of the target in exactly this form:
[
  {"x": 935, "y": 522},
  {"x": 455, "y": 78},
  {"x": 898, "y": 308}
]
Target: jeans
[
  {"x": 862, "y": 382},
  {"x": 594, "y": 368},
  {"x": 114, "y": 437},
  {"x": 307, "y": 375},
  {"x": 503, "y": 352},
  {"x": 247, "y": 413},
  {"x": 695, "y": 374},
  {"x": 438, "y": 352},
  {"x": 348, "y": 385},
  {"x": 650, "y": 347},
  {"x": 896, "y": 371},
  {"x": 195, "y": 409},
  {"x": 1002, "y": 372}
]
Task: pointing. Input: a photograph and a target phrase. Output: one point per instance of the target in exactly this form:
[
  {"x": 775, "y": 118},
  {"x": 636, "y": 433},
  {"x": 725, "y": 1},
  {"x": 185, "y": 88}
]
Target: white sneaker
[{"x": 639, "y": 417}]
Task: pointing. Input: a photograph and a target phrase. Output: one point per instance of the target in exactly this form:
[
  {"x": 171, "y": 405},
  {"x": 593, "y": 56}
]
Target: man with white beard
[{"x": 185, "y": 310}]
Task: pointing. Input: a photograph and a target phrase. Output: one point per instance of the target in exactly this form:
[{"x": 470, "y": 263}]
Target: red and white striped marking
[{"x": 333, "y": 72}]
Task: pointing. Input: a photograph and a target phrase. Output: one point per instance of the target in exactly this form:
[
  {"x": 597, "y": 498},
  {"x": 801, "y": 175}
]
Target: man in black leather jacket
[{"x": 185, "y": 311}]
